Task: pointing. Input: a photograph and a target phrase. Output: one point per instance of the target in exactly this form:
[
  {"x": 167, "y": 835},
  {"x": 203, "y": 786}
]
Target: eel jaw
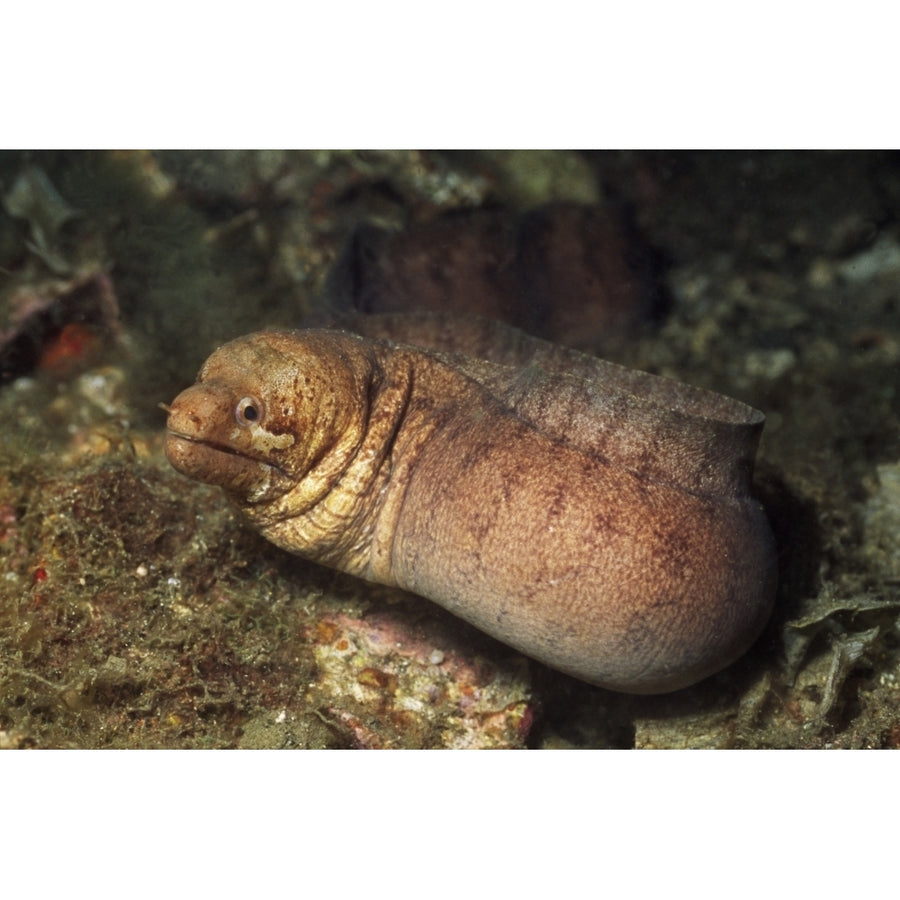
[{"x": 253, "y": 480}]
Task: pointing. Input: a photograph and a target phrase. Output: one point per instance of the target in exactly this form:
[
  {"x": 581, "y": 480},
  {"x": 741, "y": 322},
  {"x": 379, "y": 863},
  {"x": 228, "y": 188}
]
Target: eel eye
[{"x": 248, "y": 411}]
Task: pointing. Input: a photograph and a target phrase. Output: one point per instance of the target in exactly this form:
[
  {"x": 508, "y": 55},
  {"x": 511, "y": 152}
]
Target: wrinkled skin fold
[{"x": 595, "y": 518}]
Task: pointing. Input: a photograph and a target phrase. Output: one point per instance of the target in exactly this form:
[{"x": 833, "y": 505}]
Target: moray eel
[
  {"x": 578, "y": 275},
  {"x": 596, "y": 518}
]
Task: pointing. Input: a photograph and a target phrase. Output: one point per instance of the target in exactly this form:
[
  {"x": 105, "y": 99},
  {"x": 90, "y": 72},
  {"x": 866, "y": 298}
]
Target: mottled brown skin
[{"x": 599, "y": 521}]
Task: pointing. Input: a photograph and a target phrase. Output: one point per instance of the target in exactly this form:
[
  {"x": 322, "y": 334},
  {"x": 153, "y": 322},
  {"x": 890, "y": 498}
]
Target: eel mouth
[
  {"x": 172, "y": 434},
  {"x": 215, "y": 463}
]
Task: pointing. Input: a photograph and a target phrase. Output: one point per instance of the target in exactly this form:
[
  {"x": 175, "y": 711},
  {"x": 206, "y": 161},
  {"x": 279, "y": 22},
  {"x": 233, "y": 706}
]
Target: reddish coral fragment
[{"x": 71, "y": 350}]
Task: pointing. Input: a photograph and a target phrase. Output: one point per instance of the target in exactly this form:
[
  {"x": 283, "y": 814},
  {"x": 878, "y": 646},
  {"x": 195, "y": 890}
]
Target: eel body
[
  {"x": 596, "y": 518},
  {"x": 577, "y": 275}
]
